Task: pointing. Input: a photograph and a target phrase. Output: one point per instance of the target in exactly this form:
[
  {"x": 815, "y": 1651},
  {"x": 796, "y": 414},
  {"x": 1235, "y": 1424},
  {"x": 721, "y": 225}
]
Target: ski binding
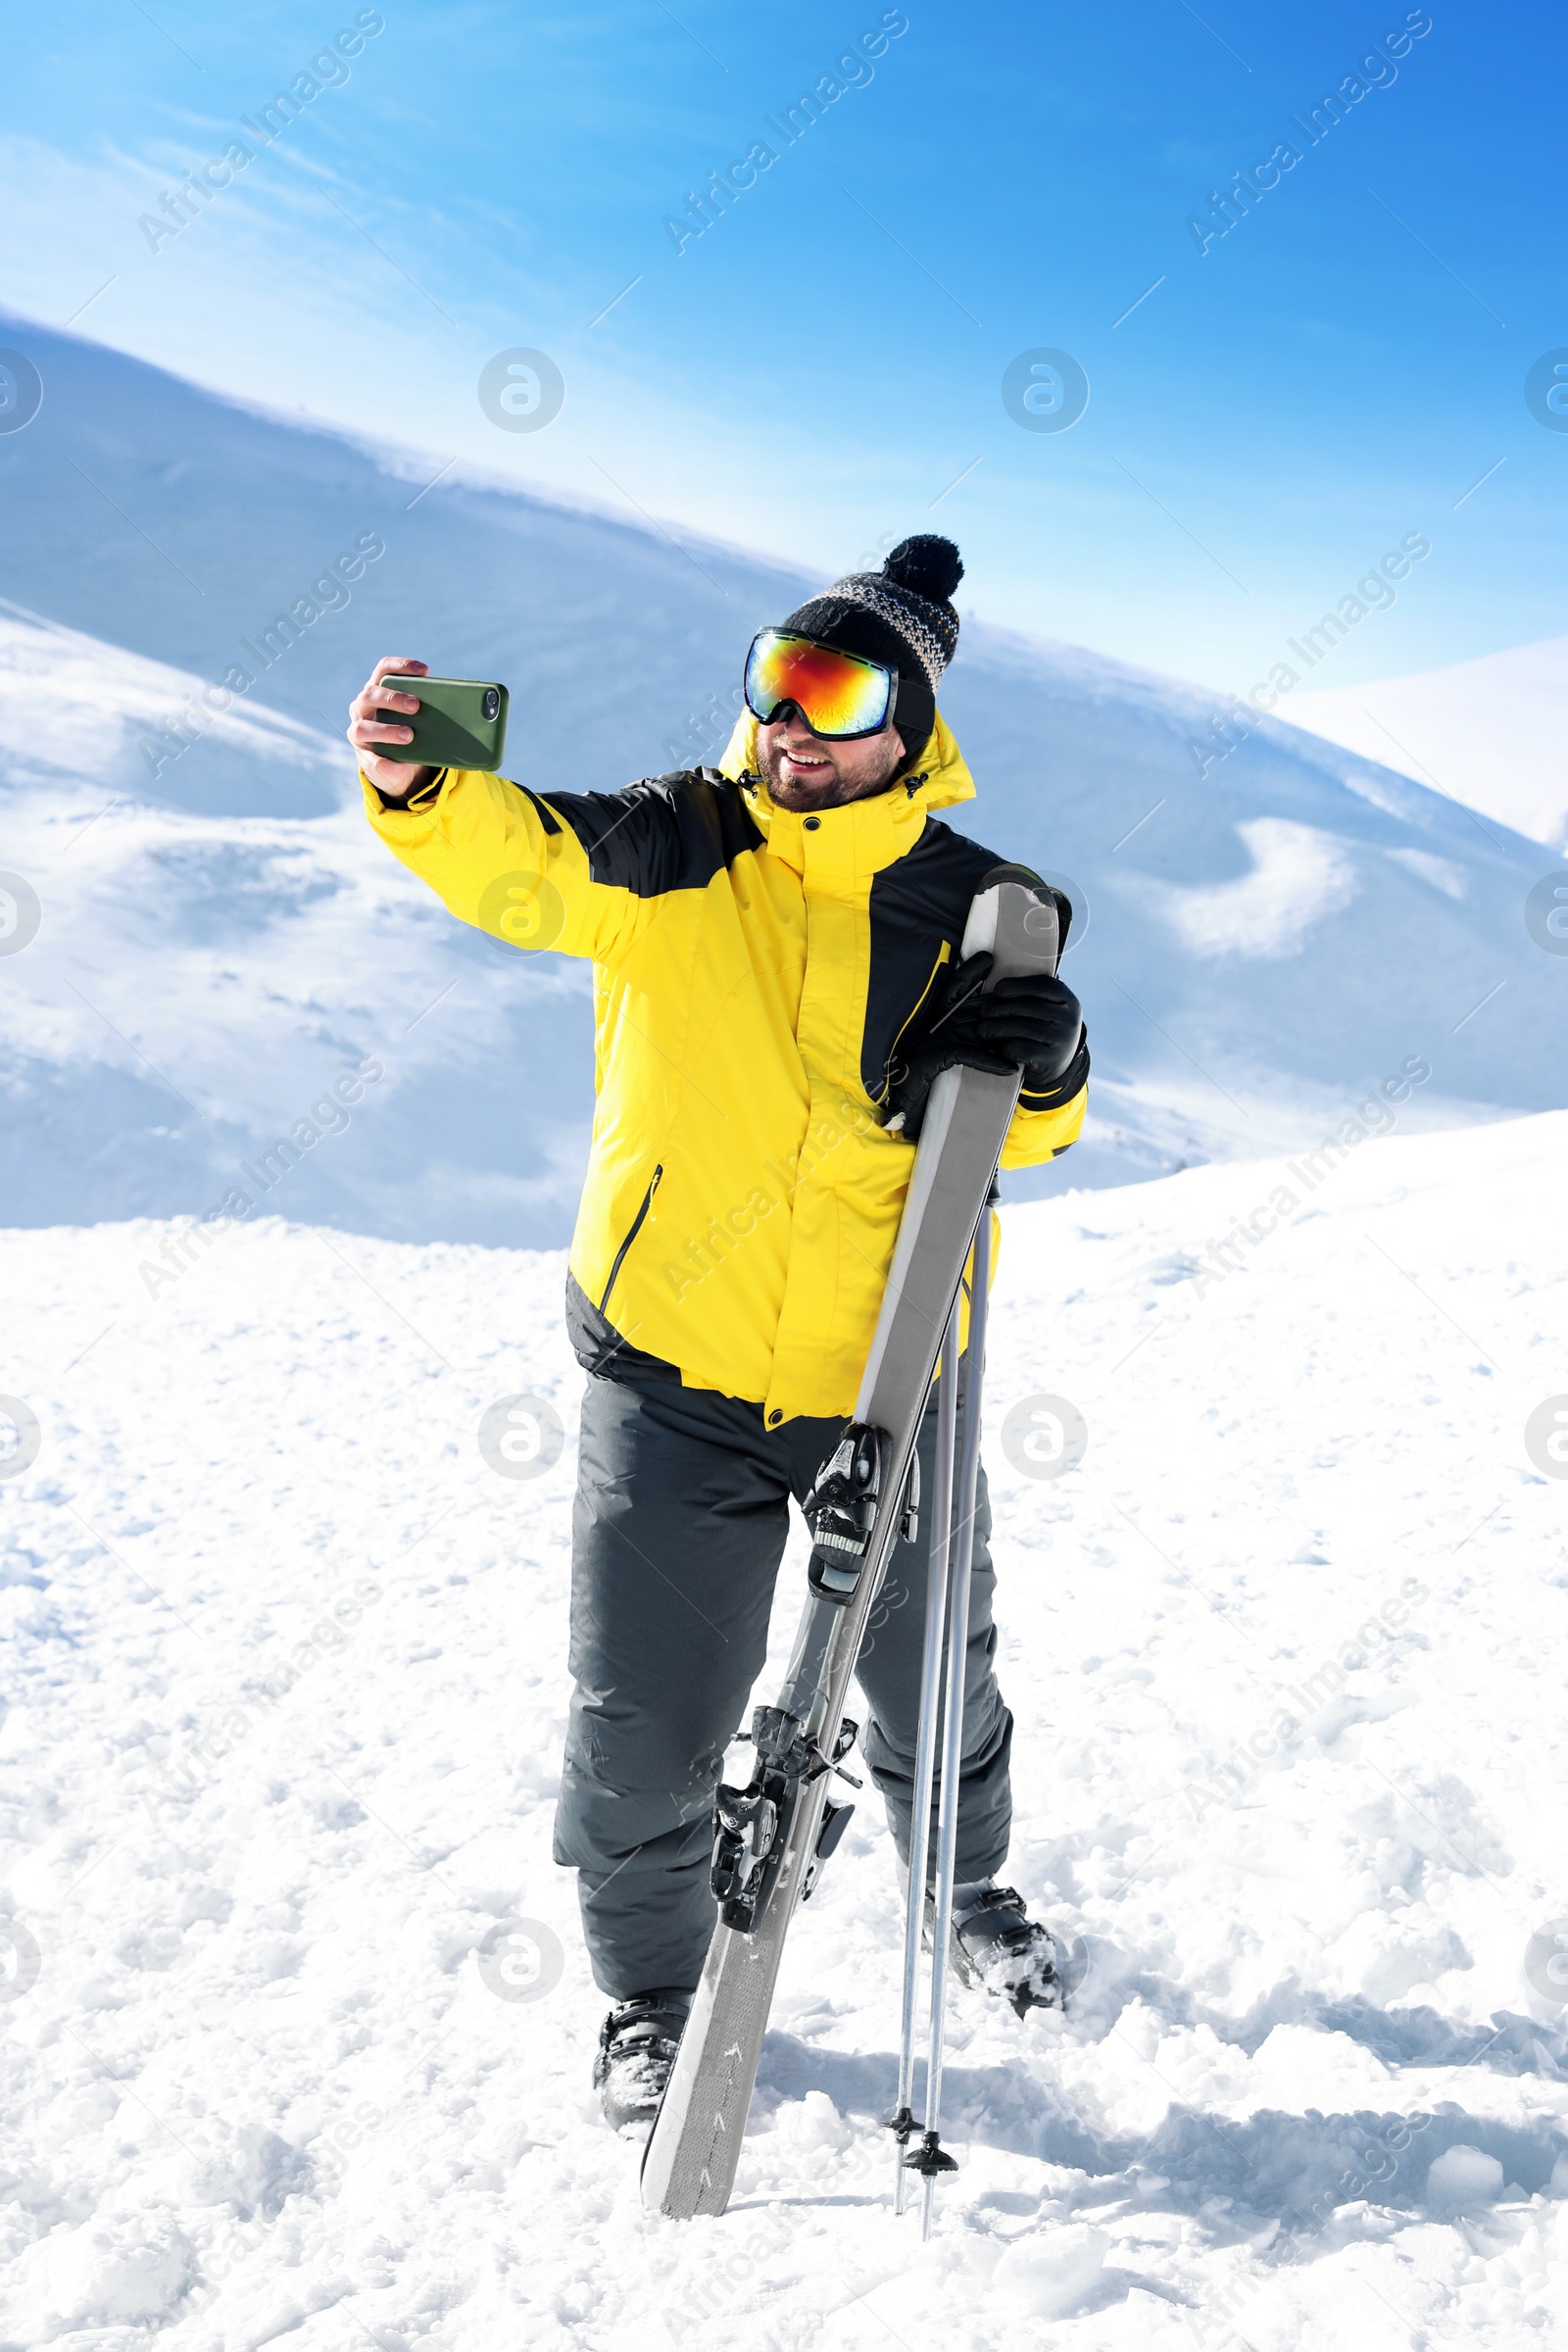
[{"x": 749, "y": 1823}]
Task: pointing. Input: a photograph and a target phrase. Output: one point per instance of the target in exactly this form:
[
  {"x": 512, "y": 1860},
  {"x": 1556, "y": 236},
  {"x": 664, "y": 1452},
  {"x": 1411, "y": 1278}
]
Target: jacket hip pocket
[{"x": 630, "y": 1235}]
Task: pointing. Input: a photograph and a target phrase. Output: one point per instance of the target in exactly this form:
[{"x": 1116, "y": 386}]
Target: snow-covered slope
[
  {"x": 287, "y": 1698},
  {"x": 1493, "y": 733},
  {"x": 220, "y": 940},
  {"x": 202, "y": 981}
]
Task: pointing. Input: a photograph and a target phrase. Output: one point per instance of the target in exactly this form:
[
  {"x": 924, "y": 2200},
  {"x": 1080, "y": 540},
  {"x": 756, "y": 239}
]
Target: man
[{"x": 777, "y": 984}]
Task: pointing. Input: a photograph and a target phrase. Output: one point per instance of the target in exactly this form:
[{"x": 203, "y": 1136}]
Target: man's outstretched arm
[{"x": 498, "y": 856}]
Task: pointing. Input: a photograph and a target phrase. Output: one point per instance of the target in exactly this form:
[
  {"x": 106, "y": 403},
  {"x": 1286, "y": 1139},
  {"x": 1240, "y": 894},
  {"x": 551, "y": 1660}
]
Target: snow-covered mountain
[
  {"x": 1493, "y": 733},
  {"x": 1284, "y": 1653},
  {"x": 1272, "y": 931}
]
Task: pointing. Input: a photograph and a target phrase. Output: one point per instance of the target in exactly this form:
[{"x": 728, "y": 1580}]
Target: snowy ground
[{"x": 1285, "y": 1649}]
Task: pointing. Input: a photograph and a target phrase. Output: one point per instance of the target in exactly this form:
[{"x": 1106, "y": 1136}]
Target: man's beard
[{"x": 791, "y": 791}]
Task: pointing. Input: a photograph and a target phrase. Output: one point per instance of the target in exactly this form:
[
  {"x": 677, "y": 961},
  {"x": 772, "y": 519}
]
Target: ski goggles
[{"x": 838, "y": 695}]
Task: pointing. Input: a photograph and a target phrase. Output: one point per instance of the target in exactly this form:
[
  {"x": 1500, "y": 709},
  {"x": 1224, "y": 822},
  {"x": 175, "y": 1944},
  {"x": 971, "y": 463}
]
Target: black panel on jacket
[
  {"x": 599, "y": 1347},
  {"x": 673, "y": 832},
  {"x": 918, "y": 905}
]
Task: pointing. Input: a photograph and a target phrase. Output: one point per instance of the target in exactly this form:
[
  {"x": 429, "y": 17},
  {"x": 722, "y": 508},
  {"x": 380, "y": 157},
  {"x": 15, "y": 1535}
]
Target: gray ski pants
[{"x": 680, "y": 1521}]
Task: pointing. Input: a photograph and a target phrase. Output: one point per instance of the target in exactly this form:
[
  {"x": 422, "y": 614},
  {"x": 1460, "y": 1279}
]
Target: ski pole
[
  {"x": 933, "y": 2158},
  {"x": 938, "y": 1572}
]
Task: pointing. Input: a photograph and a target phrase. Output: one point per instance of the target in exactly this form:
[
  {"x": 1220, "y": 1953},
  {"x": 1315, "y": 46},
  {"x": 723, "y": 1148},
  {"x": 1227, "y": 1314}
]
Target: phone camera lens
[{"x": 492, "y": 702}]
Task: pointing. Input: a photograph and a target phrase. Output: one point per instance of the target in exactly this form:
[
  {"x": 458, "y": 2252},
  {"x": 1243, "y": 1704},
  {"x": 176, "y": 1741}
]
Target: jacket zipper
[
  {"x": 632, "y": 1231},
  {"x": 898, "y": 1040}
]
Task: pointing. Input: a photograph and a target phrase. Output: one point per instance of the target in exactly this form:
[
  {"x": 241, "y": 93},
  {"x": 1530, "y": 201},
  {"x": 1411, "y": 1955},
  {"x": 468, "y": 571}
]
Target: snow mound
[
  {"x": 1055, "y": 2274},
  {"x": 1463, "y": 2178},
  {"x": 1300, "y": 876}
]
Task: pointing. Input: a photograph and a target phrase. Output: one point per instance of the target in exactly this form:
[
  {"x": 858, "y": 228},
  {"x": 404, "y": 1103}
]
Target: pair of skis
[{"x": 772, "y": 1837}]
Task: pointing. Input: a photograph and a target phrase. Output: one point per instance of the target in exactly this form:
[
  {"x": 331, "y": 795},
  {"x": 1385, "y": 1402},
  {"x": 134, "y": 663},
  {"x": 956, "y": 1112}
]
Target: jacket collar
[{"x": 860, "y": 839}]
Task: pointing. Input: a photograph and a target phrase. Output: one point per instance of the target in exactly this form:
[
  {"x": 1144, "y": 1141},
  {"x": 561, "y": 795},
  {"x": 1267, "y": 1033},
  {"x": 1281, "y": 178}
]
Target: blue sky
[{"x": 821, "y": 370}]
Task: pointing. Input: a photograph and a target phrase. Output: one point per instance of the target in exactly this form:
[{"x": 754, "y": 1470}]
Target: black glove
[{"x": 1033, "y": 1022}]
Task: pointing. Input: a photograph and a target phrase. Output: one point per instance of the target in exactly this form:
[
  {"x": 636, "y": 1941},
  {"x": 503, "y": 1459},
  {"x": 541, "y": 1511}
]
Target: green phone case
[{"x": 450, "y": 726}]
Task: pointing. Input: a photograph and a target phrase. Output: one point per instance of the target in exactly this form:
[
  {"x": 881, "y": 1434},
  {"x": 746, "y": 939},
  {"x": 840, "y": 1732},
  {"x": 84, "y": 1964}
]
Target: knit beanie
[{"x": 902, "y": 617}]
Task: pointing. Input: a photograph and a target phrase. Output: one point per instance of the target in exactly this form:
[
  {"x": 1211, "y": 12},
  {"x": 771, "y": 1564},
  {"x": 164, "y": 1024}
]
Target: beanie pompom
[
  {"x": 926, "y": 565},
  {"x": 902, "y": 616}
]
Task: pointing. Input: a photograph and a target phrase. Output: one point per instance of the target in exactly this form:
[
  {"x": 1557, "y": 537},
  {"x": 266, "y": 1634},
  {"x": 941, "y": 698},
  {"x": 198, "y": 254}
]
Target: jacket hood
[{"x": 943, "y": 773}]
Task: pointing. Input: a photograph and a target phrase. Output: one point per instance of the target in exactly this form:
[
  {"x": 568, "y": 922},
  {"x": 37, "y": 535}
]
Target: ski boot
[
  {"x": 998, "y": 1949},
  {"x": 637, "y": 2045}
]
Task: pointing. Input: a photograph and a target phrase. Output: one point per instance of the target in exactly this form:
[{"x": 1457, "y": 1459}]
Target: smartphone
[{"x": 460, "y": 722}]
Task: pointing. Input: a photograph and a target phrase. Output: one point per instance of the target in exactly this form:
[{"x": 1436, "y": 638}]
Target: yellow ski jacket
[{"x": 754, "y": 968}]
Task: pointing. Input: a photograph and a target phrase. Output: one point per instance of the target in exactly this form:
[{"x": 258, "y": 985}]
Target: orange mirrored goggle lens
[{"x": 837, "y": 694}]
